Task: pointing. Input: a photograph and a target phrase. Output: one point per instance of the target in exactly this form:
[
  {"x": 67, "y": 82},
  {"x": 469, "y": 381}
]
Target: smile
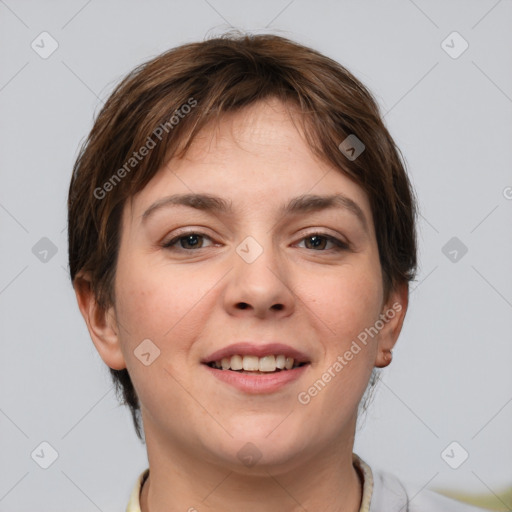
[
  {"x": 256, "y": 382},
  {"x": 255, "y": 364}
]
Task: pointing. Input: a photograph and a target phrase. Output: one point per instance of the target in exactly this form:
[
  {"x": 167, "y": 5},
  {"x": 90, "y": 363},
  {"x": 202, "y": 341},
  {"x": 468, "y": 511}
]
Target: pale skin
[{"x": 200, "y": 296}]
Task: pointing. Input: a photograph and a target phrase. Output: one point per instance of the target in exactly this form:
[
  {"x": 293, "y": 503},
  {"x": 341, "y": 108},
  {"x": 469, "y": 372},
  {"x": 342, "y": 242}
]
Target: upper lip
[{"x": 247, "y": 348}]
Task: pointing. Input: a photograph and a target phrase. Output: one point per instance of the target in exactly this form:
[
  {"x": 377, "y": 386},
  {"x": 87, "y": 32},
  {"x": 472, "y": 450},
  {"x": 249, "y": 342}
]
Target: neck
[{"x": 179, "y": 481}]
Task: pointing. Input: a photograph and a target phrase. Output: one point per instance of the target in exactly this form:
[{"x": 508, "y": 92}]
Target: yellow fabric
[
  {"x": 134, "y": 502},
  {"x": 367, "y": 477},
  {"x": 363, "y": 469}
]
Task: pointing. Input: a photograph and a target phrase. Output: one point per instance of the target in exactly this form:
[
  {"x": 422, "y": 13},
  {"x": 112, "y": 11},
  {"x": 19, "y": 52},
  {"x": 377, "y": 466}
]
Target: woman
[{"x": 241, "y": 239}]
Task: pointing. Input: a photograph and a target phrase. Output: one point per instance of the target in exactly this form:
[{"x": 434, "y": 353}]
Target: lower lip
[{"x": 258, "y": 383}]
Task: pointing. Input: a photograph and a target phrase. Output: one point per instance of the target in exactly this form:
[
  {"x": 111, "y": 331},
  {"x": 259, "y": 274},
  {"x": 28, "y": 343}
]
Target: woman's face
[{"x": 276, "y": 266}]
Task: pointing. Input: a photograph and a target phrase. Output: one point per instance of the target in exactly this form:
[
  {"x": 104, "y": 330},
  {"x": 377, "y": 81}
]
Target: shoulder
[
  {"x": 383, "y": 491},
  {"x": 390, "y": 494}
]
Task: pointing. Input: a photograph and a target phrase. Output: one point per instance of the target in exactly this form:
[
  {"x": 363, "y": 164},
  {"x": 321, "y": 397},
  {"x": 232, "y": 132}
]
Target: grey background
[{"x": 450, "y": 379}]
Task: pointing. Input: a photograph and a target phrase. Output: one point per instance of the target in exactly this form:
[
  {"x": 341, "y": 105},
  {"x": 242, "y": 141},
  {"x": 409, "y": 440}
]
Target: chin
[{"x": 258, "y": 450}]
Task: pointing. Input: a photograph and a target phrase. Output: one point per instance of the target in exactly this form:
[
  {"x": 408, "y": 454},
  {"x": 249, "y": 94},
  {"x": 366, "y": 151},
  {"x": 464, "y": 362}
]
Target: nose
[{"x": 259, "y": 287}]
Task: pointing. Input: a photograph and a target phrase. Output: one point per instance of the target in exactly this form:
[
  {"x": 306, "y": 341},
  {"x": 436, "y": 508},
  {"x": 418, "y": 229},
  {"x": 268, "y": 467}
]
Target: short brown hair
[{"x": 212, "y": 77}]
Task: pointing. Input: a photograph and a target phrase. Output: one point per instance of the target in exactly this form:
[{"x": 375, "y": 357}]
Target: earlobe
[
  {"x": 384, "y": 358},
  {"x": 394, "y": 314},
  {"x": 101, "y": 323}
]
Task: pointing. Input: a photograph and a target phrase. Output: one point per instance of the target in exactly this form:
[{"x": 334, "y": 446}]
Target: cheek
[
  {"x": 160, "y": 302},
  {"x": 152, "y": 303},
  {"x": 346, "y": 302},
  {"x": 140, "y": 304}
]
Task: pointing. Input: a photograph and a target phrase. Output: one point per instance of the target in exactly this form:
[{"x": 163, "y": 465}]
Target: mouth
[
  {"x": 256, "y": 368},
  {"x": 254, "y": 365},
  {"x": 257, "y": 358}
]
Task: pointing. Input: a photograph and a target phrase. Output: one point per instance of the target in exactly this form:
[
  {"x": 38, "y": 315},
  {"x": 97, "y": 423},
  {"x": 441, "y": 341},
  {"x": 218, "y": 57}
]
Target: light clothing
[{"x": 382, "y": 492}]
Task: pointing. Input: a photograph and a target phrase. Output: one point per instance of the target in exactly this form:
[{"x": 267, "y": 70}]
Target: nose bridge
[
  {"x": 259, "y": 280},
  {"x": 257, "y": 259}
]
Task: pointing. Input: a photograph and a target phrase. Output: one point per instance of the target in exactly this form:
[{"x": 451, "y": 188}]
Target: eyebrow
[{"x": 306, "y": 203}]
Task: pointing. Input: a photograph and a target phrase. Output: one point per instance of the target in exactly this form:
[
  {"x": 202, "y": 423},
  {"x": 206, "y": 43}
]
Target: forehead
[
  {"x": 254, "y": 132},
  {"x": 255, "y": 157}
]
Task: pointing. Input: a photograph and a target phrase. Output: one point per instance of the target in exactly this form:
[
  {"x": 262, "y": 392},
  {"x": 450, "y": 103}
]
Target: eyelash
[{"x": 338, "y": 244}]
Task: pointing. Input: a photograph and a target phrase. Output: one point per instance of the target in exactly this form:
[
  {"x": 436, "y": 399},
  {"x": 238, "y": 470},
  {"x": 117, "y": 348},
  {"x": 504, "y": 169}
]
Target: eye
[
  {"x": 318, "y": 242},
  {"x": 194, "y": 240},
  {"x": 188, "y": 241}
]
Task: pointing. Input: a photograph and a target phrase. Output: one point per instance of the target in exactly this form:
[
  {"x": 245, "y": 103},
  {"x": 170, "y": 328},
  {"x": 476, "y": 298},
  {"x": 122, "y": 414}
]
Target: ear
[
  {"x": 393, "y": 315},
  {"x": 101, "y": 323}
]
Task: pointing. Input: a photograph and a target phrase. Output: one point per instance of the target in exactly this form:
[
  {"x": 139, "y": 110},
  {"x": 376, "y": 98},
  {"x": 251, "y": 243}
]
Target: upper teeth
[{"x": 255, "y": 363}]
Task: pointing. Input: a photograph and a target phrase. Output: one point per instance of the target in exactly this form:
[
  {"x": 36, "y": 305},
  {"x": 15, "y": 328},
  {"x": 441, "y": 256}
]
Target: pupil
[
  {"x": 191, "y": 240},
  {"x": 317, "y": 241}
]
